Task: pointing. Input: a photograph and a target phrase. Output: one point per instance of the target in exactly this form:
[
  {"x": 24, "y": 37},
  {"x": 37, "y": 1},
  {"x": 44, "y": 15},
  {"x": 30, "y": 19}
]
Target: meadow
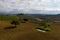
[
  {"x": 5, "y": 17},
  {"x": 26, "y": 30}
]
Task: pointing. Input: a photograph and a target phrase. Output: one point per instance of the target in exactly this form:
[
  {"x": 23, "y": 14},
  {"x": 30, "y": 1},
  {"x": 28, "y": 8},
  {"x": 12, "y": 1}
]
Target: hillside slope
[{"x": 27, "y": 31}]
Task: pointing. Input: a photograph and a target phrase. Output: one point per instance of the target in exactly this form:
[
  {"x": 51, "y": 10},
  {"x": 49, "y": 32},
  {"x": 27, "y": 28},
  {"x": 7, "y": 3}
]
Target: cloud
[
  {"x": 5, "y": 7},
  {"x": 27, "y": 5}
]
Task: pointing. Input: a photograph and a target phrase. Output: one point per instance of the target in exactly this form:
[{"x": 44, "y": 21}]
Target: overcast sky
[{"x": 28, "y": 5}]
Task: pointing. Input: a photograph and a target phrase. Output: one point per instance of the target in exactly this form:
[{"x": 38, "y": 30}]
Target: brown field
[{"x": 26, "y": 31}]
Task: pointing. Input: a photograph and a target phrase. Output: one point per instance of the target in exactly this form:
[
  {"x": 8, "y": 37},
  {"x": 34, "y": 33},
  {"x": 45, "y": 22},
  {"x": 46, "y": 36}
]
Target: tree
[
  {"x": 15, "y": 23},
  {"x": 20, "y": 14}
]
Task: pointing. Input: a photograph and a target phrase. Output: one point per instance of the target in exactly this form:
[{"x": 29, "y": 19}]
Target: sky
[{"x": 29, "y": 5}]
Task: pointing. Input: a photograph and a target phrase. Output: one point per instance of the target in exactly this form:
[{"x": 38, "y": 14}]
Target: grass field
[
  {"x": 4, "y": 17},
  {"x": 26, "y": 31}
]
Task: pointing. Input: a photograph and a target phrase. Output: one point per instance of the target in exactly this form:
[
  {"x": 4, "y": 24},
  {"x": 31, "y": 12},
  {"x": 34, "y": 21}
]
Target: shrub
[
  {"x": 15, "y": 23},
  {"x": 44, "y": 26}
]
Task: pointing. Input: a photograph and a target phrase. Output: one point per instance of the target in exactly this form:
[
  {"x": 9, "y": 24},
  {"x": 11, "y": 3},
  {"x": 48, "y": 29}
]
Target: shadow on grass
[{"x": 10, "y": 27}]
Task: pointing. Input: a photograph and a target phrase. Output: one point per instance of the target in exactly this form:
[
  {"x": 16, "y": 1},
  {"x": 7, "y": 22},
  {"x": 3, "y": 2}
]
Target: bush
[
  {"x": 44, "y": 26},
  {"x": 15, "y": 23}
]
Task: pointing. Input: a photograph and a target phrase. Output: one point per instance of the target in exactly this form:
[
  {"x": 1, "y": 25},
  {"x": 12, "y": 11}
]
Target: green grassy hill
[{"x": 4, "y": 17}]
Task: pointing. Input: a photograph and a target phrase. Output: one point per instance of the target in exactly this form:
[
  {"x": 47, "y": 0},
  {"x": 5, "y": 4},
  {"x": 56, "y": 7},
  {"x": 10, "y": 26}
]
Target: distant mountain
[{"x": 15, "y": 11}]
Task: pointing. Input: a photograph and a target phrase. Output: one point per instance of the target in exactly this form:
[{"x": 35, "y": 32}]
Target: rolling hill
[{"x": 26, "y": 31}]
